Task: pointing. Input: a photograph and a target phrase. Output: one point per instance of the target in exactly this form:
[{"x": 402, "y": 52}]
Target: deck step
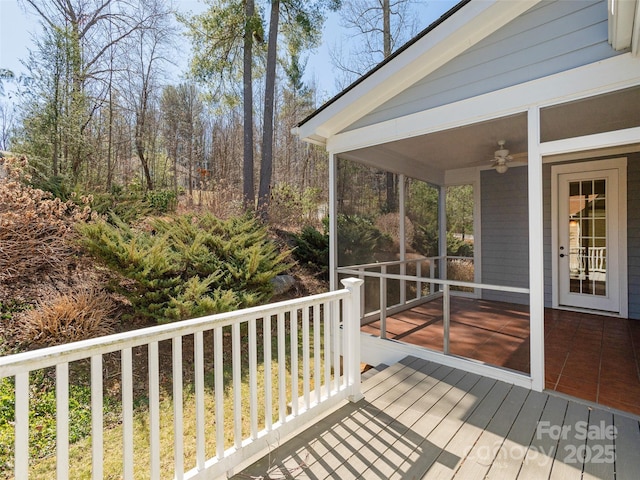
[{"x": 372, "y": 371}]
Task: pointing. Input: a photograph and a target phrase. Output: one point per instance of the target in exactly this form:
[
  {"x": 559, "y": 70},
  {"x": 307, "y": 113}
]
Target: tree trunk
[
  {"x": 247, "y": 79},
  {"x": 266, "y": 166},
  {"x": 386, "y": 38}
]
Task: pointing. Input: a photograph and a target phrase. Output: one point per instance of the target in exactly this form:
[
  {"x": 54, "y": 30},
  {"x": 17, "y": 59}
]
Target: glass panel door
[
  {"x": 588, "y": 237},
  {"x": 588, "y": 240}
]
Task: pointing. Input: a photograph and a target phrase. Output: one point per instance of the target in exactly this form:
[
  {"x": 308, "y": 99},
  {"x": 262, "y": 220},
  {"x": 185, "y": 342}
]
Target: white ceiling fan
[{"x": 501, "y": 158}]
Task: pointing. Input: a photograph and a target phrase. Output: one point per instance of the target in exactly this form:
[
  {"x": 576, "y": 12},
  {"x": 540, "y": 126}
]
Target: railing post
[
  {"x": 432, "y": 273},
  {"x": 351, "y": 332},
  {"x": 383, "y": 302},
  {"x": 418, "y": 282},
  {"x": 446, "y": 317}
]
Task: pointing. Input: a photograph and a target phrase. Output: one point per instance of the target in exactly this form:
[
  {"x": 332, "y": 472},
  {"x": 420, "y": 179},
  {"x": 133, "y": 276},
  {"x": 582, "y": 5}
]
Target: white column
[
  {"x": 536, "y": 251},
  {"x": 403, "y": 237},
  {"x": 333, "y": 221}
]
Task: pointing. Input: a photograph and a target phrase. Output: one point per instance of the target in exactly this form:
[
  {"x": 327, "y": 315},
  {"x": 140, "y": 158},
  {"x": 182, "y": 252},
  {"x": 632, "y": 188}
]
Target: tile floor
[{"x": 592, "y": 357}]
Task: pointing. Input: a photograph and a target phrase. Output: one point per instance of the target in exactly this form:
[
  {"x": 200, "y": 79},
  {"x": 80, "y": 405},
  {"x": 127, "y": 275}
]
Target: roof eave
[{"x": 434, "y": 47}]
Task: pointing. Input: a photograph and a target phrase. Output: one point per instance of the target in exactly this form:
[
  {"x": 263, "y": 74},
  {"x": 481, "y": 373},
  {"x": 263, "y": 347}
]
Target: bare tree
[
  {"x": 380, "y": 26},
  {"x": 376, "y": 29},
  {"x": 146, "y": 54},
  {"x": 84, "y": 33}
]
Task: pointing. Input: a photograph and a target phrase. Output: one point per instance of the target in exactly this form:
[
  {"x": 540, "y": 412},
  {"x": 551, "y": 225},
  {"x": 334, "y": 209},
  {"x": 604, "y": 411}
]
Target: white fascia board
[
  {"x": 621, "y": 22},
  {"x": 465, "y": 28},
  {"x": 591, "y": 142},
  {"x": 600, "y": 77}
]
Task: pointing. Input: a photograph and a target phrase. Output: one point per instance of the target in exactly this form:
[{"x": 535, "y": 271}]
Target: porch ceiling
[{"x": 427, "y": 157}]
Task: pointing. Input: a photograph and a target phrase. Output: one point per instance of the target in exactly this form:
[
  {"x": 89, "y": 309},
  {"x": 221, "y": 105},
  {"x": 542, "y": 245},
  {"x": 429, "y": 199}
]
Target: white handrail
[
  {"x": 336, "y": 317},
  {"x": 446, "y": 285}
]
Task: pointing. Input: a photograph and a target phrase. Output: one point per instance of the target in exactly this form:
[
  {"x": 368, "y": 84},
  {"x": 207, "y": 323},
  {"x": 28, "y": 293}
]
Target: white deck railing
[
  {"x": 444, "y": 289},
  {"x": 424, "y": 281},
  {"x": 306, "y": 338}
]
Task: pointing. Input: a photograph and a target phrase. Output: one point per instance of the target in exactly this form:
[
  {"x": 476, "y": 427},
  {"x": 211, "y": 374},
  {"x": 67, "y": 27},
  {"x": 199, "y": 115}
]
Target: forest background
[{"x": 126, "y": 111}]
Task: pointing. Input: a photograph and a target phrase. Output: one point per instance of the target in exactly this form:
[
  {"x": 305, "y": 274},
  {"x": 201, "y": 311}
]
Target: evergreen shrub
[
  {"x": 312, "y": 250},
  {"x": 189, "y": 265},
  {"x": 359, "y": 240}
]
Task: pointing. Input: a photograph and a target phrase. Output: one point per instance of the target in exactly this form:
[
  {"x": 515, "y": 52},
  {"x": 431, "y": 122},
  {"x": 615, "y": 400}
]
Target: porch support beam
[
  {"x": 536, "y": 251},
  {"x": 591, "y": 142},
  {"x": 402, "y": 209},
  {"x": 333, "y": 221}
]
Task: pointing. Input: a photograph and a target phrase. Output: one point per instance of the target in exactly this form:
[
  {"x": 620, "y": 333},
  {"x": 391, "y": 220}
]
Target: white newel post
[
  {"x": 536, "y": 250},
  {"x": 351, "y": 332}
]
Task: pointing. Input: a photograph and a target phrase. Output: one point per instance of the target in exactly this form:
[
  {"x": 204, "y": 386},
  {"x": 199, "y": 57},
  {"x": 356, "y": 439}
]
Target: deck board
[
  {"x": 627, "y": 444},
  {"x": 419, "y": 419},
  {"x": 538, "y": 460}
]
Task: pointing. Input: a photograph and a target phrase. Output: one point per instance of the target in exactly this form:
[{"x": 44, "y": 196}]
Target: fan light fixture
[{"x": 501, "y": 157}]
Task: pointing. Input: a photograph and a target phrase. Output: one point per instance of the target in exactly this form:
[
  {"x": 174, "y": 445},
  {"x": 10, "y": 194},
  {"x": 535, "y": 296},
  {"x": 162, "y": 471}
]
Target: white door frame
[{"x": 619, "y": 164}]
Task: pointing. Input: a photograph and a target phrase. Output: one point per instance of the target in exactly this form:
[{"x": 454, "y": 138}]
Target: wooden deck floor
[{"x": 424, "y": 420}]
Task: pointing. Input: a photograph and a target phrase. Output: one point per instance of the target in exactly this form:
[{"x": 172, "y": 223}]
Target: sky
[{"x": 18, "y": 26}]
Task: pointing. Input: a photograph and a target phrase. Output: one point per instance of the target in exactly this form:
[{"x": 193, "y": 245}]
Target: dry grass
[
  {"x": 66, "y": 318},
  {"x": 462, "y": 270},
  {"x": 390, "y": 225},
  {"x": 34, "y": 227},
  {"x": 222, "y": 200}
]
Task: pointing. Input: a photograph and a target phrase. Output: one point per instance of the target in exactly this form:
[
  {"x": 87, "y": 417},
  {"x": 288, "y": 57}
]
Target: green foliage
[
  {"x": 130, "y": 205},
  {"x": 161, "y": 201},
  {"x": 42, "y": 416},
  {"x": 289, "y": 206},
  {"x": 9, "y": 307},
  {"x": 425, "y": 241},
  {"x": 460, "y": 209},
  {"x": 457, "y": 247},
  {"x": 189, "y": 265},
  {"x": 312, "y": 250},
  {"x": 359, "y": 239}
]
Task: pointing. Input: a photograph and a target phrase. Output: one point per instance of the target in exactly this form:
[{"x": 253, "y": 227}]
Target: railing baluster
[
  {"x": 154, "y": 409},
  {"x": 282, "y": 372},
  {"x": 218, "y": 367},
  {"x": 97, "y": 439},
  {"x": 268, "y": 387},
  {"x": 178, "y": 427},
  {"x": 62, "y": 421},
  {"x": 237, "y": 384},
  {"x": 317, "y": 373},
  {"x": 335, "y": 324},
  {"x": 253, "y": 377},
  {"x": 293, "y": 327},
  {"x": 127, "y": 412},
  {"x": 446, "y": 317},
  {"x": 432, "y": 274},
  {"x": 199, "y": 390},
  {"x": 327, "y": 347},
  {"x": 383, "y": 303},
  {"x": 418, "y": 282},
  {"x": 21, "y": 467},
  {"x": 306, "y": 357},
  {"x": 362, "y": 277}
]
